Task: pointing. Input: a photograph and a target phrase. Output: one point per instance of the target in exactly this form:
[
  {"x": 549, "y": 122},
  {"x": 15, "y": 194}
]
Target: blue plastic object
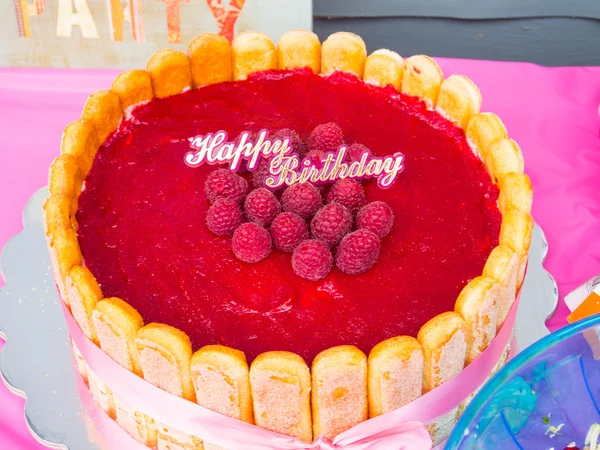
[{"x": 547, "y": 397}]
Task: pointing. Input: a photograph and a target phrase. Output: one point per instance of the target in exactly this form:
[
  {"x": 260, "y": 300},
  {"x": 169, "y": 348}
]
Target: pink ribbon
[{"x": 401, "y": 429}]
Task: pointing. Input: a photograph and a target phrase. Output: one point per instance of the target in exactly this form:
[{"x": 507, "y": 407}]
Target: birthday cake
[{"x": 298, "y": 236}]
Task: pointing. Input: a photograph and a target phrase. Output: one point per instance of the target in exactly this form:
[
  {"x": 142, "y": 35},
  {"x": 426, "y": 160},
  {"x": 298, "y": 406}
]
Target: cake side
[{"x": 444, "y": 345}]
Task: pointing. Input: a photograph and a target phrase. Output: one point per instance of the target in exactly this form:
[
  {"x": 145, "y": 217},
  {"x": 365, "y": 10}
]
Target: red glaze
[{"x": 143, "y": 233}]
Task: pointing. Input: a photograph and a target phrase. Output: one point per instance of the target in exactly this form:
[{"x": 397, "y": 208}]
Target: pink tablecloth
[{"x": 552, "y": 113}]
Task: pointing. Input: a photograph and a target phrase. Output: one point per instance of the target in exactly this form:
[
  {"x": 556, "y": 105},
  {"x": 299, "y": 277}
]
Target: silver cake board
[{"x": 36, "y": 361}]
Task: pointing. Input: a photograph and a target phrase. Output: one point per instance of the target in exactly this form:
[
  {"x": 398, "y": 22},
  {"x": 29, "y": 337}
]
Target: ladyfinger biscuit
[
  {"x": 483, "y": 130},
  {"x": 515, "y": 192},
  {"x": 339, "y": 390},
  {"x": 64, "y": 178},
  {"x": 395, "y": 374},
  {"x": 79, "y": 361},
  {"x": 117, "y": 324},
  {"x": 422, "y": 78},
  {"x": 502, "y": 266},
  {"x": 64, "y": 254},
  {"x": 101, "y": 393},
  {"x": 171, "y": 439},
  {"x": 280, "y": 384},
  {"x": 477, "y": 304},
  {"x": 170, "y": 73},
  {"x": 384, "y": 67},
  {"x": 459, "y": 99},
  {"x": 165, "y": 354},
  {"x": 59, "y": 213},
  {"x": 444, "y": 343},
  {"x": 515, "y": 233},
  {"x": 84, "y": 293},
  {"x": 297, "y": 49},
  {"x": 80, "y": 140},
  {"x": 210, "y": 59},
  {"x": 343, "y": 51},
  {"x": 140, "y": 426},
  {"x": 504, "y": 156},
  {"x": 132, "y": 87},
  {"x": 221, "y": 380},
  {"x": 103, "y": 109},
  {"x": 252, "y": 52}
]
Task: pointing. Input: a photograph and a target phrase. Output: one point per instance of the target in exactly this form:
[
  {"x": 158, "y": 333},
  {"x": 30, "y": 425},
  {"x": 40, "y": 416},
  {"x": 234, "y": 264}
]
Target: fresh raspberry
[
  {"x": 376, "y": 217},
  {"x": 312, "y": 260},
  {"x": 357, "y": 252},
  {"x": 261, "y": 173},
  {"x": 251, "y": 242},
  {"x": 223, "y": 217},
  {"x": 326, "y": 138},
  {"x": 303, "y": 199},
  {"x": 223, "y": 183},
  {"x": 261, "y": 206},
  {"x": 349, "y": 193},
  {"x": 298, "y": 146},
  {"x": 316, "y": 157},
  {"x": 288, "y": 230},
  {"x": 355, "y": 152},
  {"x": 331, "y": 223}
]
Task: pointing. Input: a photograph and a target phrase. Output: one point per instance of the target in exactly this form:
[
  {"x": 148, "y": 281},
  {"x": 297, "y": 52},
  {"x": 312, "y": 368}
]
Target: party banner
[{"x": 125, "y": 33}]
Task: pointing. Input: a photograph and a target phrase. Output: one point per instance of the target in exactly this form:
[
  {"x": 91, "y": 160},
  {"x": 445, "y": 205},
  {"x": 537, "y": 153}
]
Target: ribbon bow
[{"x": 406, "y": 436}]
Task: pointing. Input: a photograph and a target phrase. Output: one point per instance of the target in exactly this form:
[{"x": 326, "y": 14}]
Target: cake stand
[{"x": 36, "y": 361}]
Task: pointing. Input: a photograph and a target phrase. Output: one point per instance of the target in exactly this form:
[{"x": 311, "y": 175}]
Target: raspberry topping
[
  {"x": 298, "y": 146},
  {"x": 348, "y": 193},
  {"x": 312, "y": 260},
  {"x": 376, "y": 217},
  {"x": 251, "y": 242},
  {"x": 261, "y": 206},
  {"x": 288, "y": 230},
  {"x": 326, "y": 137},
  {"x": 357, "y": 252},
  {"x": 355, "y": 152},
  {"x": 223, "y": 183},
  {"x": 303, "y": 199},
  {"x": 331, "y": 223},
  {"x": 223, "y": 217}
]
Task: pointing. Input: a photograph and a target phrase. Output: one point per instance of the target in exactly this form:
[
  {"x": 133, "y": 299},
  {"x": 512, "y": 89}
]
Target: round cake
[{"x": 216, "y": 287}]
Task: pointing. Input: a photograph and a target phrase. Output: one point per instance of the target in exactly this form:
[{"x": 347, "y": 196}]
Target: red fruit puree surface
[{"x": 143, "y": 233}]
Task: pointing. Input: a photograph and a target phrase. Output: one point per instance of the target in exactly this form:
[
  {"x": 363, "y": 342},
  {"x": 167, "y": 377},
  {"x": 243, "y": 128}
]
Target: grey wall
[{"x": 548, "y": 32}]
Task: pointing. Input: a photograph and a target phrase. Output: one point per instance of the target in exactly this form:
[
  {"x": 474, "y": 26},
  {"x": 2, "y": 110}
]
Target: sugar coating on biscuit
[
  {"x": 270, "y": 388},
  {"x": 515, "y": 192},
  {"x": 502, "y": 266},
  {"x": 482, "y": 131},
  {"x": 399, "y": 384},
  {"x": 298, "y": 49},
  {"x": 343, "y": 51},
  {"x": 384, "y": 67},
  {"x": 216, "y": 392},
  {"x": 170, "y": 73},
  {"x": 504, "y": 156},
  {"x": 422, "y": 78},
  {"x": 133, "y": 87},
  {"x": 458, "y": 100},
  {"x": 252, "y": 52},
  {"x": 103, "y": 109},
  {"x": 210, "y": 59}
]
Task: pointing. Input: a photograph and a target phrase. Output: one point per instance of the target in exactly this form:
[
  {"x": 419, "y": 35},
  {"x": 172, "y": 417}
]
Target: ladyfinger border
[{"x": 211, "y": 59}]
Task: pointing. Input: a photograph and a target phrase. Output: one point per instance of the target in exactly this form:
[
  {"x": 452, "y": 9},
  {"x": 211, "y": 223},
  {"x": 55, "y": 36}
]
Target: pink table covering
[{"x": 551, "y": 112}]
